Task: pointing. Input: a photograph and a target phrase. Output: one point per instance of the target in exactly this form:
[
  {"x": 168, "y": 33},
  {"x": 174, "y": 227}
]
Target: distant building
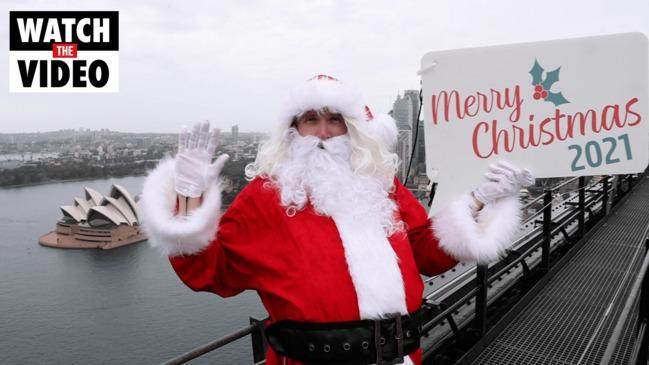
[
  {"x": 413, "y": 96},
  {"x": 419, "y": 157},
  {"x": 405, "y": 112},
  {"x": 235, "y": 134},
  {"x": 402, "y": 112},
  {"x": 403, "y": 149},
  {"x": 97, "y": 221}
]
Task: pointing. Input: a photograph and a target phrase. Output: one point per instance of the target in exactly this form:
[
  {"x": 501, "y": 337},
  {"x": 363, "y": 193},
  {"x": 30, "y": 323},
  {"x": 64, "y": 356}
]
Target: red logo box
[{"x": 64, "y": 50}]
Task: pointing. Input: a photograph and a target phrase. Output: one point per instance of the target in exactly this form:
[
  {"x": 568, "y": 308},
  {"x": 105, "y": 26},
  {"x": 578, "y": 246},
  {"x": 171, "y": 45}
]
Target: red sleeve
[
  {"x": 210, "y": 270},
  {"x": 430, "y": 258},
  {"x": 220, "y": 268}
]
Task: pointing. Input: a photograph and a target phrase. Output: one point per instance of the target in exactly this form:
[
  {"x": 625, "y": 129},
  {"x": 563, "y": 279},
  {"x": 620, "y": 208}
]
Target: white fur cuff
[
  {"x": 170, "y": 233},
  {"x": 483, "y": 238}
]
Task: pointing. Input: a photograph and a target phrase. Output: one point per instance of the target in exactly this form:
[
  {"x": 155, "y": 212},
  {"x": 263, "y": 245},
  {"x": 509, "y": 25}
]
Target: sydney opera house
[{"x": 97, "y": 221}]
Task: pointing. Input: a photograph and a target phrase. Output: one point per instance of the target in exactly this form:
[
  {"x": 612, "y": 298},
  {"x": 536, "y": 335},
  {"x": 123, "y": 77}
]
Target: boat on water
[{"x": 98, "y": 221}]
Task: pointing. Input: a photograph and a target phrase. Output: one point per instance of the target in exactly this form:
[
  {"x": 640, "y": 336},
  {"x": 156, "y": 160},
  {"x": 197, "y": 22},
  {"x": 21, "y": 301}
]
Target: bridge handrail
[
  {"x": 523, "y": 238},
  {"x": 478, "y": 278},
  {"x": 213, "y": 345},
  {"x": 553, "y": 189},
  {"x": 556, "y": 187}
]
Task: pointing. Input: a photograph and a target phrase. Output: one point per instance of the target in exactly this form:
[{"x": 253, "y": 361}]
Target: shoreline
[{"x": 64, "y": 181}]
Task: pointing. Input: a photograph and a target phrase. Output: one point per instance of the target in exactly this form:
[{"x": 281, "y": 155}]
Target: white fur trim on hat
[
  {"x": 174, "y": 234},
  {"x": 483, "y": 238},
  {"x": 318, "y": 93}
]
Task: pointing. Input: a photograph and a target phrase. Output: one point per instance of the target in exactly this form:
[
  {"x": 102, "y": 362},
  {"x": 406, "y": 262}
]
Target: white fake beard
[{"x": 321, "y": 170}]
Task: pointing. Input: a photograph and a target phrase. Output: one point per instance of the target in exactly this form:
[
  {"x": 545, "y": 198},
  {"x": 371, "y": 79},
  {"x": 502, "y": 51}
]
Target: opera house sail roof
[{"x": 98, "y": 221}]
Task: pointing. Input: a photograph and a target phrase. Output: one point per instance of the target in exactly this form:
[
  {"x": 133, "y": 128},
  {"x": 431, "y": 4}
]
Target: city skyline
[
  {"x": 105, "y": 146},
  {"x": 231, "y": 63},
  {"x": 409, "y": 100}
]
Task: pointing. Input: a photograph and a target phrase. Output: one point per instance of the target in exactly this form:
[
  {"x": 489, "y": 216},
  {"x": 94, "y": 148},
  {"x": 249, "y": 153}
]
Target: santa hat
[{"x": 323, "y": 91}]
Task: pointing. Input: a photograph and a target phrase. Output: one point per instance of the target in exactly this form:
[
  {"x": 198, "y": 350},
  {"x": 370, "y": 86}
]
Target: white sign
[{"x": 560, "y": 108}]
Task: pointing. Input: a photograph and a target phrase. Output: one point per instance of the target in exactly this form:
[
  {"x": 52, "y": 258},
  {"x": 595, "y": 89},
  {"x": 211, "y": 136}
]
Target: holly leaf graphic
[
  {"x": 550, "y": 78},
  {"x": 537, "y": 73},
  {"x": 556, "y": 98}
]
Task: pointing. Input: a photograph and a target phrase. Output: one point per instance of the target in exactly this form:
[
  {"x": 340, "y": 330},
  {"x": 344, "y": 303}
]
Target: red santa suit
[{"x": 310, "y": 267}]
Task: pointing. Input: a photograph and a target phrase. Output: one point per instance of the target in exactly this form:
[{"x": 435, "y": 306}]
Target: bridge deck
[{"x": 571, "y": 320}]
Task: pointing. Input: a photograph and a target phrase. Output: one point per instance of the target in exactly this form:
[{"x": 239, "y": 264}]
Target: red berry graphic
[
  {"x": 544, "y": 94},
  {"x": 537, "y": 96},
  {"x": 538, "y": 88}
]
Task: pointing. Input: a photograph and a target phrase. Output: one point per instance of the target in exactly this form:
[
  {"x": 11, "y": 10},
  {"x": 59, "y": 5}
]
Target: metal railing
[
  {"x": 255, "y": 330},
  {"x": 475, "y": 283},
  {"x": 458, "y": 320}
]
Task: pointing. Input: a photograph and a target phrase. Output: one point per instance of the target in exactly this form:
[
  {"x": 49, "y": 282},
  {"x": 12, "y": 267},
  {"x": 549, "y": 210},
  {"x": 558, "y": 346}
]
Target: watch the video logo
[{"x": 63, "y": 51}]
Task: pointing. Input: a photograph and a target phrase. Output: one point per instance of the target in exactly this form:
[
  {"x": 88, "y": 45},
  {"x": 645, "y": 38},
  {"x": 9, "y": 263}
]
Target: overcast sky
[{"x": 232, "y": 62}]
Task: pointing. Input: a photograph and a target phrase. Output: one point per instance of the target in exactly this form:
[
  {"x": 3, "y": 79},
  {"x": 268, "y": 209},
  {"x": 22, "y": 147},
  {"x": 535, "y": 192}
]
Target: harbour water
[{"x": 122, "y": 306}]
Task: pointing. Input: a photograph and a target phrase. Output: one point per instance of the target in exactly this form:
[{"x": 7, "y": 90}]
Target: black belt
[{"x": 384, "y": 341}]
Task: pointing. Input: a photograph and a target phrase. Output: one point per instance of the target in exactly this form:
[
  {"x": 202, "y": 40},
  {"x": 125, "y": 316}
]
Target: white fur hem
[
  {"x": 483, "y": 238},
  {"x": 170, "y": 233}
]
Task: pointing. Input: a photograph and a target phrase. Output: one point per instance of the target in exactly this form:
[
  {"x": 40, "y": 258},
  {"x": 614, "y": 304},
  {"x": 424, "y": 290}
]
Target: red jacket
[{"x": 298, "y": 264}]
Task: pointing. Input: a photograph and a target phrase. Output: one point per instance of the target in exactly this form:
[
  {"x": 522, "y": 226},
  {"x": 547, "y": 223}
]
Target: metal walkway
[{"x": 572, "y": 318}]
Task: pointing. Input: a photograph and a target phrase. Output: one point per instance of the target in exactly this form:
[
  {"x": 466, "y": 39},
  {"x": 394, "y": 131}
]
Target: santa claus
[{"x": 333, "y": 243}]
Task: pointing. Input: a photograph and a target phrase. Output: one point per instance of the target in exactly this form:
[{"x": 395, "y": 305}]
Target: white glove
[
  {"x": 503, "y": 179},
  {"x": 194, "y": 171}
]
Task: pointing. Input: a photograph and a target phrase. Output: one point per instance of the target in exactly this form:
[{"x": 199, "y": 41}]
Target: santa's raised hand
[{"x": 194, "y": 170}]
